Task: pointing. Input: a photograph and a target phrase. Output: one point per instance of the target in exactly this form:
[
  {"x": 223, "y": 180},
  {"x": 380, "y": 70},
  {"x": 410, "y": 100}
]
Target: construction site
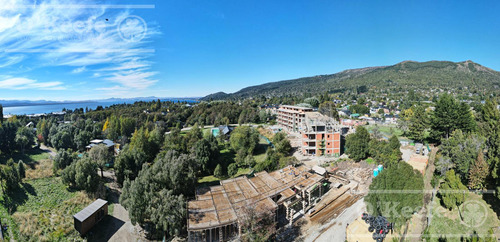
[
  {"x": 316, "y": 195},
  {"x": 321, "y": 135}
]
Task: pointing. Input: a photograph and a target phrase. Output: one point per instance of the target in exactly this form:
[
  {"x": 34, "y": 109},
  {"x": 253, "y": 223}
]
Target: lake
[{"x": 49, "y": 108}]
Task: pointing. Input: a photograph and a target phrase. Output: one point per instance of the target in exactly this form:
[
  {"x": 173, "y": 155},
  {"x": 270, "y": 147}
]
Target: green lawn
[
  {"x": 477, "y": 214},
  {"x": 387, "y": 130},
  {"x": 30, "y": 157}
]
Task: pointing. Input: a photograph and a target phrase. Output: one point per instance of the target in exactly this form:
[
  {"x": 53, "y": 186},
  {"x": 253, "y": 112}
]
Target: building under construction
[
  {"x": 291, "y": 117},
  {"x": 216, "y": 213},
  {"x": 321, "y": 135}
]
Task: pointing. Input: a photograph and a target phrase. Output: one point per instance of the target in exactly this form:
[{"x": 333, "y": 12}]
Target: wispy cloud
[
  {"x": 105, "y": 40},
  {"x": 79, "y": 70},
  {"x": 12, "y": 60},
  {"x": 25, "y": 83}
]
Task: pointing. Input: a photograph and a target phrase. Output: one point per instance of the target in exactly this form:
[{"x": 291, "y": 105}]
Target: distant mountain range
[
  {"x": 405, "y": 75},
  {"x": 18, "y": 103}
]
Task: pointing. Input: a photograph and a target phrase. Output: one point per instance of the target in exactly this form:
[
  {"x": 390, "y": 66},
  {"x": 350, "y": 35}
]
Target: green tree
[
  {"x": 157, "y": 195},
  {"x": 82, "y": 139},
  {"x": 418, "y": 124},
  {"x": 452, "y": 191},
  {"x": 489, "y": 116},
  {"x": 62, "y": 159},
  {"x": 462, "y": 149},
  {"x": 25, "y": 137},
  {"x": 1, "y": 114},
  {"x": 358, "y": 108},
  {"x": 101, "y": 155},
  {"x": 313, "y": 101},
  {"x": 387, "y": 194},
  {"x": 127, "y": 126},
  {"x": 329, "y": 109},
  {"x": 357, "y": 144},
  {"x": 218, "y": 172},
  {"x": 232, "y": 169},
  {"x": 129, "y": 163},
  {"x": 82, "y": 175},
  {"x": 21, "y": 170},
  {"x": 244, "y": 138},
  {"x": 449, "y": 115}
]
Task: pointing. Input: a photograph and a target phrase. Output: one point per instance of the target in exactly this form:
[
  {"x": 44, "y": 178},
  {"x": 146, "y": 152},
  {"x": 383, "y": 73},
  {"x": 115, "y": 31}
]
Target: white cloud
[
  {"x": 114, "y": 88},
  {"x": 77, "y": 37},
  {"x": 20, "y": 83},
  {"x": 12, "y": 60},
  {"x": 79, "y": 70}
]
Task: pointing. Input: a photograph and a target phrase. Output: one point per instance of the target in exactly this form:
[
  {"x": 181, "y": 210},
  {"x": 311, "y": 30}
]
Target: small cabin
[{"x": 90, "y": 216}]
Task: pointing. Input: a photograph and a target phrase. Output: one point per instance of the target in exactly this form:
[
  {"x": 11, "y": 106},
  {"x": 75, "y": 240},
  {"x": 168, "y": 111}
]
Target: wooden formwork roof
[{"x": 223, "y": 204}]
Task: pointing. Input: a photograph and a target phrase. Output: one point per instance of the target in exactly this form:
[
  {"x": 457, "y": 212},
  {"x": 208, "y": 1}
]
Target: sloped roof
[{"x": 89, "y": 210}]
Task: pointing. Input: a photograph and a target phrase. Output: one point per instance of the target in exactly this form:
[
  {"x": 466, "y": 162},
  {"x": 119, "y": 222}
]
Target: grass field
[
  {"x": 42, "y": 208},
  {"x": 477, "y": 216},
  {"x": 386, "y": 130}
]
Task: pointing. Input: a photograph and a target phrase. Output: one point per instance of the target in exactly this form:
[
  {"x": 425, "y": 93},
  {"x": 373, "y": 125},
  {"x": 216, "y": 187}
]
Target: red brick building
[{"x": 321, "y": 135}]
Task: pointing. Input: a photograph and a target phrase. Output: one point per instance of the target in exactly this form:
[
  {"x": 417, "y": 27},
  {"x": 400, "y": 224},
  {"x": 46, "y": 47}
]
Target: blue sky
[{"x": 67, "y": 50}]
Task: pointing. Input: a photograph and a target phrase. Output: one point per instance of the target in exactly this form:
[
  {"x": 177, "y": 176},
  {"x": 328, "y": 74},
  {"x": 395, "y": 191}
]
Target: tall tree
[
  {"x": 449, "y": 115},
  {"x": 101, "y": 155},
  {"x": 25, "y": 137},
  {"x": 418, "y": 124},
  {"x": 1, "y": 114},
  {"x": 397, "y": 206},
  {"x": 357, "y": 144},
  {"x": 21, "y": 170},
  {"x": 157, "y": 195},
  {"x": 478, "y": 172}
]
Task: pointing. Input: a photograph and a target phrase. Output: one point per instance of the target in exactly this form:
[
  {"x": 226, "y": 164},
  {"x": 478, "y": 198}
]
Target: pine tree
[
  {"x": 478, "y": 172},
  {"x": 21, "y": 170},
  {"x": 417, "y": 125}
]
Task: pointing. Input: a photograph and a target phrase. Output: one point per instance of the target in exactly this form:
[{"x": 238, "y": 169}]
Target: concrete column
[
  {"x": 221, "y": 235},
  {"x": 239, "y": 231},
  {"x": 304, "y": 201}
]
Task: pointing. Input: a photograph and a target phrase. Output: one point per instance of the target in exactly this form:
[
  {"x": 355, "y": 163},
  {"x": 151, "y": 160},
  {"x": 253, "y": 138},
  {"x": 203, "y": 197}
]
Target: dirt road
[
  {"x": 334, "y": 230},
  {"x": 48, "y": 150},
  {"x": 117, "y": 226}
]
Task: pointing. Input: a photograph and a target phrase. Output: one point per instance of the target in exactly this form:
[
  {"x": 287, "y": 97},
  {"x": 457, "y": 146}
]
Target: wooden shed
[{"x": 90, "y": 216}]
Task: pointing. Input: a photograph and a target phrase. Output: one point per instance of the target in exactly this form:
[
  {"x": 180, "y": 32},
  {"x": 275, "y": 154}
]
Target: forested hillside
[{"x": 436, "y": 76}]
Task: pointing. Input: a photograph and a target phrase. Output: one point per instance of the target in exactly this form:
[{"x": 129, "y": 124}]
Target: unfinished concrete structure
[
  {"x": 321, "y": 135},
  {"x": 216, "y": 213},
  {"x": 290, "y": 117}
]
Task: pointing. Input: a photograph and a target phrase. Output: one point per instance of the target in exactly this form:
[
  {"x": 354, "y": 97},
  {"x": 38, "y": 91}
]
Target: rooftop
[
  {"x": 223, "y": 204},
  {"x": 89, "y": 210}
]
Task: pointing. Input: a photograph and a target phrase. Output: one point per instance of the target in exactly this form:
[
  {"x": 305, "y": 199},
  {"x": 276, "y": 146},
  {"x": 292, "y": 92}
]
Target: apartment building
[
  {"x": 291, "y": 117},
  {"x": 321, "y": 135}
]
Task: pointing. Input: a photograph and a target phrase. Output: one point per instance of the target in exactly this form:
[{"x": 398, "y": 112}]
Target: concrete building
[
  {"x": 290, "y": 117},
  {"x": 321, "y": 135},
  {"x": 216, "y": 213}
]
